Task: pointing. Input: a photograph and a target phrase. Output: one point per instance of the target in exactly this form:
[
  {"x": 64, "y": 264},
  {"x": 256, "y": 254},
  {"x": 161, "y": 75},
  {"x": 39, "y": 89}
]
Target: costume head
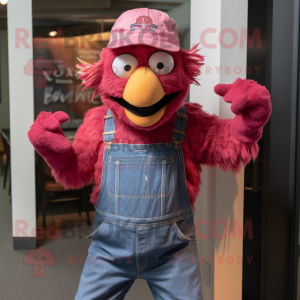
[{"x": 143, "y": 76}]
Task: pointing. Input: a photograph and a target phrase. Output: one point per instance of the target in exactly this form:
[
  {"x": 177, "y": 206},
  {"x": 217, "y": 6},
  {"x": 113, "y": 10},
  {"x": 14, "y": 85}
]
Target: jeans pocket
[
  {"x": 97, "y": 231},
  {"x": 140, "y": 177},
  {"x": 184, "y": 230}
]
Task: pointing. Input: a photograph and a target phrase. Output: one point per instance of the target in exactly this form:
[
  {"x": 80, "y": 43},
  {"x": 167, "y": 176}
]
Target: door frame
[{"x": 280, "y": 210}]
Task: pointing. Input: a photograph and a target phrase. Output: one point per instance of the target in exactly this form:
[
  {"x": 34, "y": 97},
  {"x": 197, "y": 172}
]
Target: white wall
[
  {"x": 19, "y": 15},
  {"x": 221, "y": 196},
  {"x": 4, "y": 104},
  {"x": 201, "y": 18}
]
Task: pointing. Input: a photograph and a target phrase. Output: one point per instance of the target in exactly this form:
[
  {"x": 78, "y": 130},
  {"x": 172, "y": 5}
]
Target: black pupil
[
  {"x": 127, "y": 68},
  {"x": 160, "y": 66}
]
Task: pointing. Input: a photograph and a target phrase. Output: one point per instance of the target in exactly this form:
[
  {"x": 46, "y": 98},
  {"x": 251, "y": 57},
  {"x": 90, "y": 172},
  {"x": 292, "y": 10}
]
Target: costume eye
[
  {"x": 124, "y": 65},
  {"x": 161, "y": 63}
]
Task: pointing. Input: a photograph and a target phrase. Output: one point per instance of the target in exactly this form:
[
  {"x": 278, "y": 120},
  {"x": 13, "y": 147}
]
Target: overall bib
[{"x": 143, "y": 222}]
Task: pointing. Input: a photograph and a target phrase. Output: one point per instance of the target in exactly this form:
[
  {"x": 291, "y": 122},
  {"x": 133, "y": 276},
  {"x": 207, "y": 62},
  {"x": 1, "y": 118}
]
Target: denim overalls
[{"x": 143, "y": 222}]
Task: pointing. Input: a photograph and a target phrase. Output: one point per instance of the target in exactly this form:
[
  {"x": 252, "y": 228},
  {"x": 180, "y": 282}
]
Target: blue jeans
[{"x": 143, "y": 223}]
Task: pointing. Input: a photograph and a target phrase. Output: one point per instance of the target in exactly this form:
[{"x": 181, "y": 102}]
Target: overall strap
[
  {"x": 109, "y": 129},
  {"x": 179, "y": 126}
]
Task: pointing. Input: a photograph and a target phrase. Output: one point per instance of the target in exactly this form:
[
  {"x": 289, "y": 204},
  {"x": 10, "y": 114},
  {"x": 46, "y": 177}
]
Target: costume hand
[
  {"x": 251, "y": 104},
  {"x": 49, "y": 140}
]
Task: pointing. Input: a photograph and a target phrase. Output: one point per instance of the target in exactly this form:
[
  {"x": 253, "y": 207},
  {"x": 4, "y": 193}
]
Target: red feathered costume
[
  {"x": 146, "y": 205},
  {"x": 208, "y": 141}
]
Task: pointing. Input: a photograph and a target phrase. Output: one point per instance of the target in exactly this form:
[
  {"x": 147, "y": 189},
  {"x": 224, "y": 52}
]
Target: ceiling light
[
  {"x": 52, "y": 33},
  {"x": 3, "y": 2}
]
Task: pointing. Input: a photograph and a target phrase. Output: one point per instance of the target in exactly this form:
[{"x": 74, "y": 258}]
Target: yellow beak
[{"x": 144, "y": 89}]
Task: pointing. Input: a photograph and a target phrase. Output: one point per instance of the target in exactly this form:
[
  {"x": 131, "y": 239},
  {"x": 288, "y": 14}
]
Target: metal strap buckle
[
  {"x": 179, "y": 114},
  {"x": 181, "y": 132},
  {"x": 109, "y": 132},
  {"x": 108, "y": 145},
  {"x": 176, "y": 142}
]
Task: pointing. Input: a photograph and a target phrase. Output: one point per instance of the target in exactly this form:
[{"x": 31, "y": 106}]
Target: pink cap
[{"x": 144, "y": 26}]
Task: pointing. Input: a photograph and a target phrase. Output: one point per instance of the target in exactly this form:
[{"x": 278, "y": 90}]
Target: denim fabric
[{"x": 143, "y": 223}]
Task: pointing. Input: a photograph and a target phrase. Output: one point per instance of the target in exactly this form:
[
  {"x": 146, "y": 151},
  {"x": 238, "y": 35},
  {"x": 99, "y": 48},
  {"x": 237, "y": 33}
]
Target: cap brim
[{"x": 162, "y": 45}]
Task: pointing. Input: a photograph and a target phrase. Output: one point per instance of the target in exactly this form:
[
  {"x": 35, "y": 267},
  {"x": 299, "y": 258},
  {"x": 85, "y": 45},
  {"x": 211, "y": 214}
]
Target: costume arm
[
  {"x": 79, "y": 170},
  {"x": 72, "y": 164},
  {"x": 228, "y": 143}
]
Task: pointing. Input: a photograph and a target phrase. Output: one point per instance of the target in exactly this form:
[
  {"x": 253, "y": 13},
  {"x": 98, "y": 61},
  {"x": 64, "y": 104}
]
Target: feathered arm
[
  {"x": 228, "y": 143},
  {"x": 79, "y": 170},
  {"x": 72, "y": 165}
]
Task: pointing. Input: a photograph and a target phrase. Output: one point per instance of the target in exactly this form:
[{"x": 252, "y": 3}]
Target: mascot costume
[{"x": 143, "y": 150}]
